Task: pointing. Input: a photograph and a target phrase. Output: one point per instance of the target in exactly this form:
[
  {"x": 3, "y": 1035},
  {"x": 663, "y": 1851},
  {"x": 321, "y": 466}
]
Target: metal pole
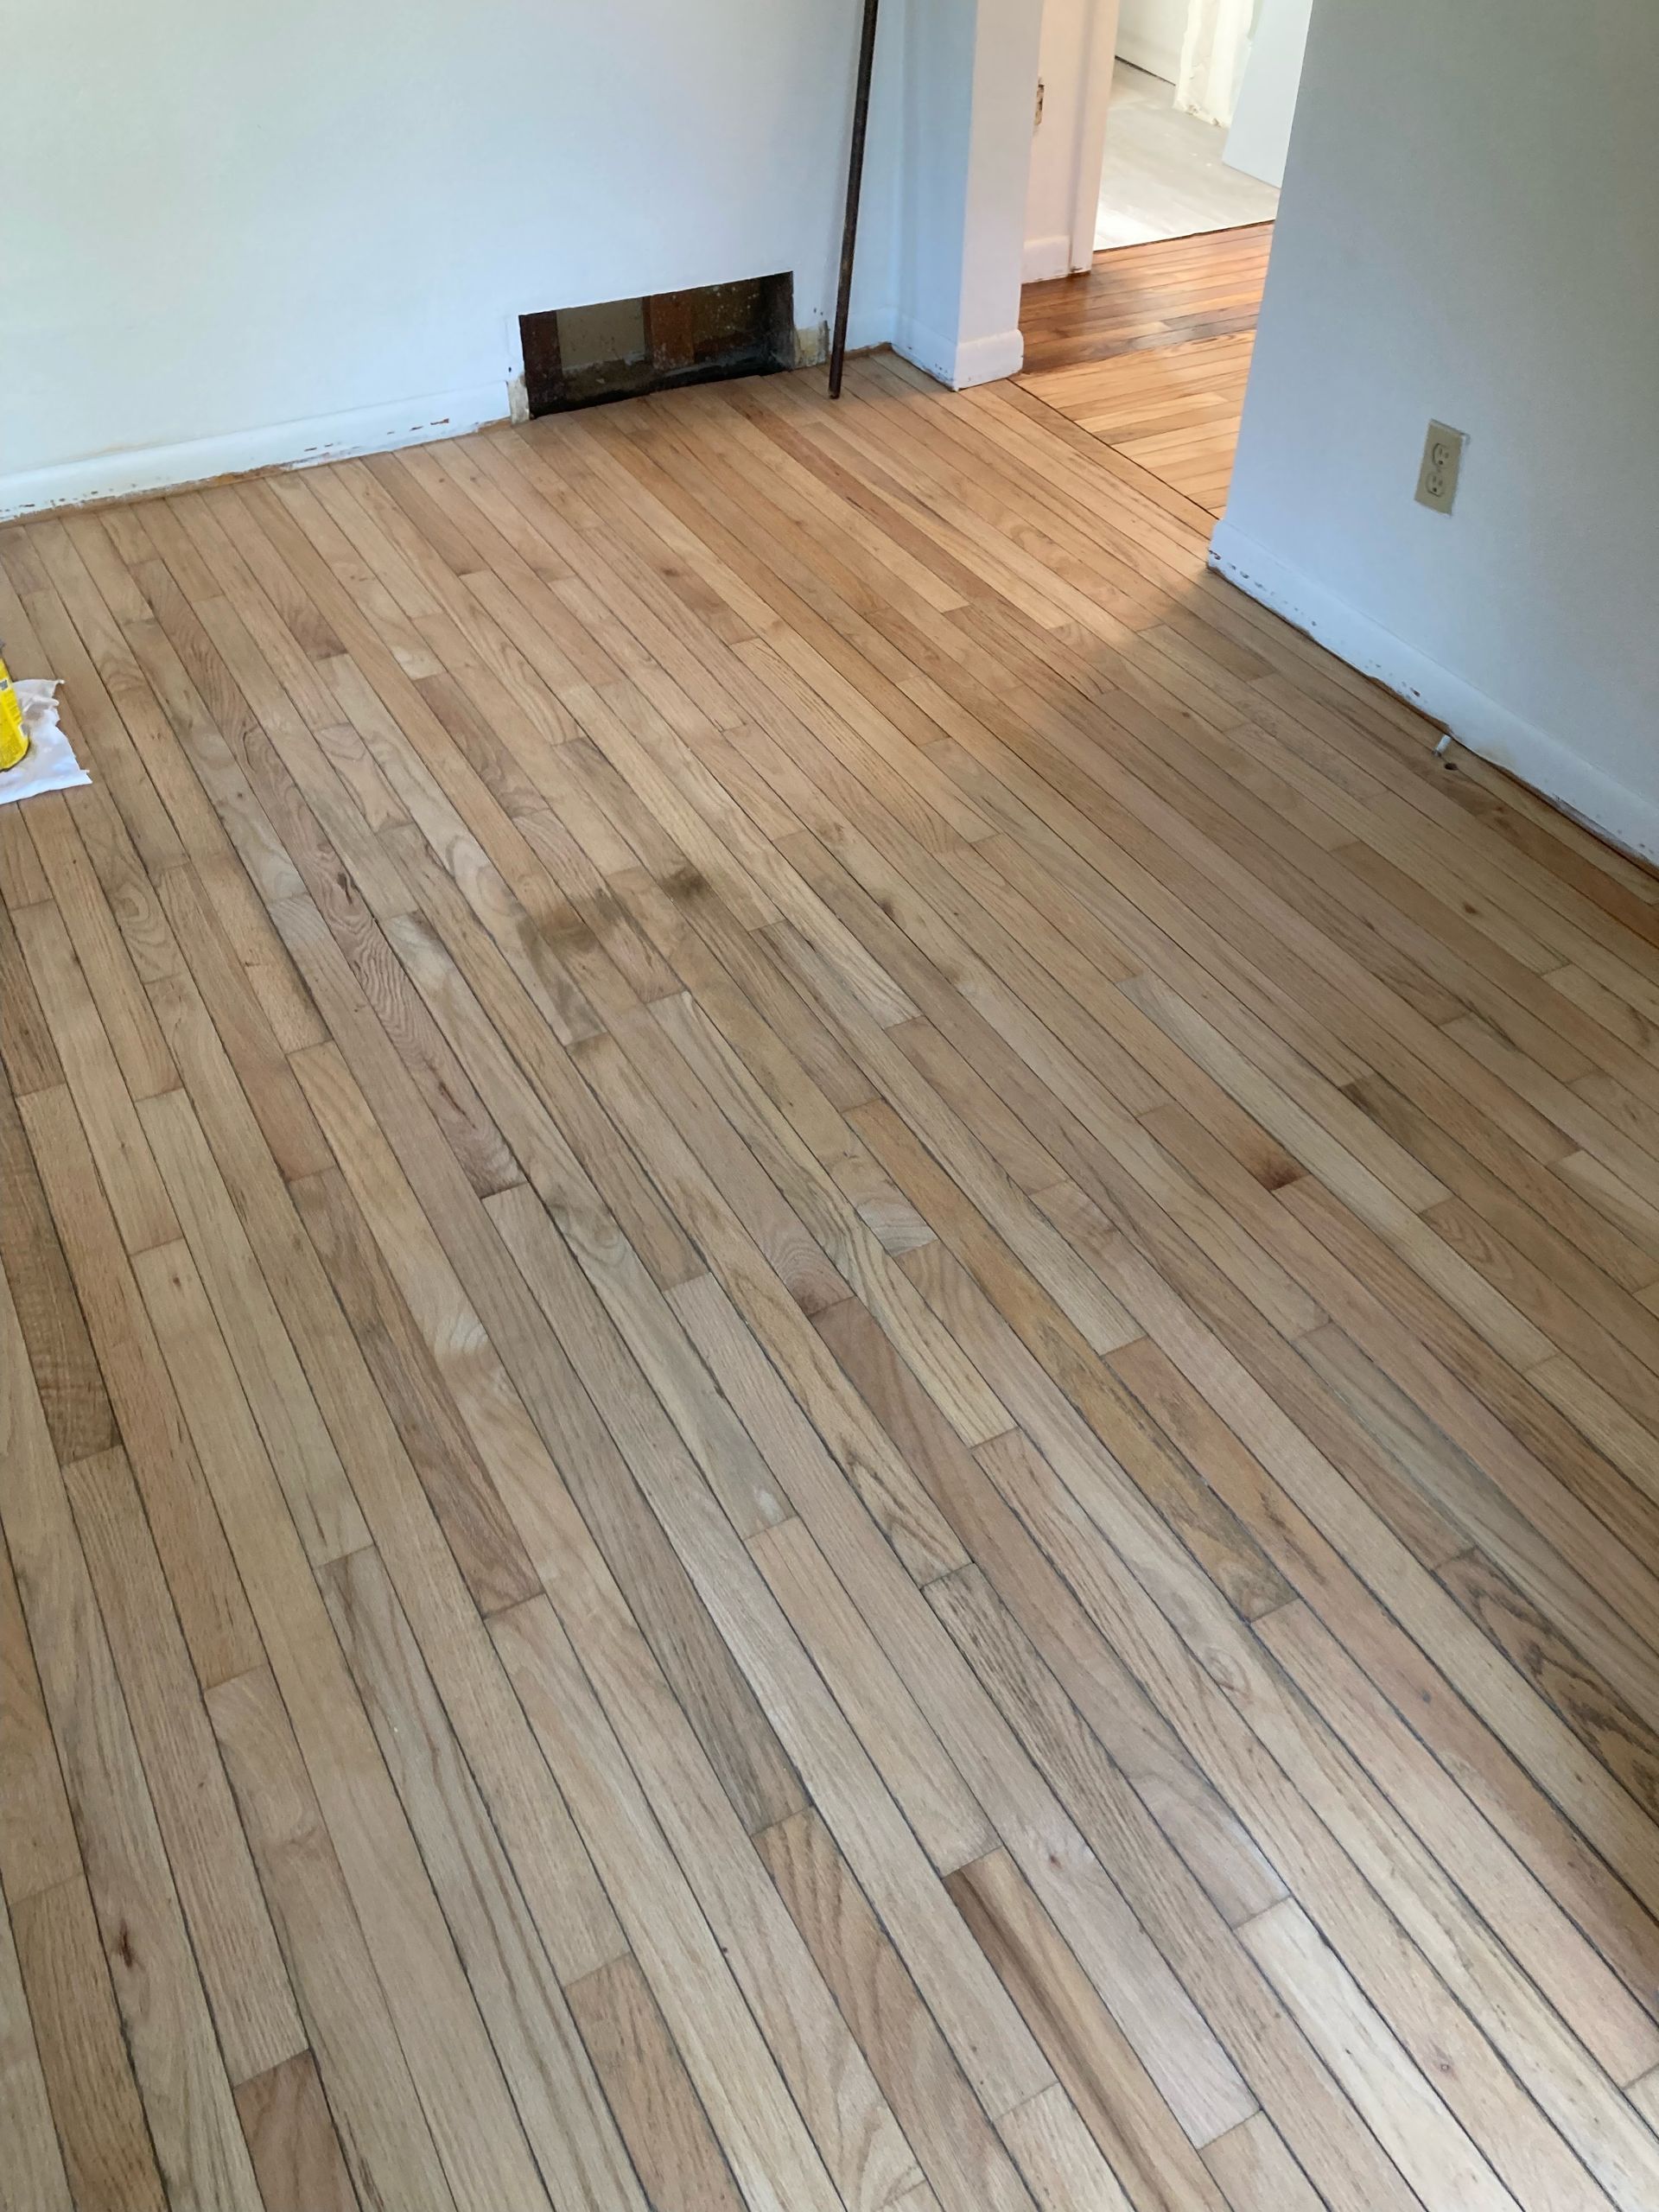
[{"x": 854, "y": 180}]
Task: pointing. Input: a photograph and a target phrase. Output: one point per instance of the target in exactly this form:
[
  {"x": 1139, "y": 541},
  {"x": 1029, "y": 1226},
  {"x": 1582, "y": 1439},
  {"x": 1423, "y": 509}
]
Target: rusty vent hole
[{"x": 576, "y": 357}]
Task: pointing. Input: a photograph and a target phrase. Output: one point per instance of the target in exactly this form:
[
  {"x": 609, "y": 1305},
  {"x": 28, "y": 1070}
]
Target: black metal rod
[{"x": 855, "y": 184}]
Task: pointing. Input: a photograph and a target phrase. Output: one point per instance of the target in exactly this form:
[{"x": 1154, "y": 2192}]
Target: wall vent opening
[{"x": 578, "y": 357}]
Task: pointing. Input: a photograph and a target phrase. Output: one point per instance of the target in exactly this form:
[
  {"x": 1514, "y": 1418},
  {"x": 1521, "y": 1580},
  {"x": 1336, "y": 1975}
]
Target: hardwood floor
[
  {"x": 831, "y": 1344},
  {"x": 1150, "y": 351}
]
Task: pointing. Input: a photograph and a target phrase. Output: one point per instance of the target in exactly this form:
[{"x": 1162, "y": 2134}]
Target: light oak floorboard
[{"x": 831, "y": 1344}]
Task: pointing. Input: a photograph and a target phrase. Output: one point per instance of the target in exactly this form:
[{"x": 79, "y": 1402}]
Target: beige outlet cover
[{"x": 1437, "y": 479}]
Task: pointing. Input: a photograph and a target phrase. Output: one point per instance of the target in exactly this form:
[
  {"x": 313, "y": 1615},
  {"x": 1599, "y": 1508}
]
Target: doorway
[
  {"x": 1192, "y": 143},
  {"x": 1165, "y": 174},
  {"x": 1149, "y": 348}
]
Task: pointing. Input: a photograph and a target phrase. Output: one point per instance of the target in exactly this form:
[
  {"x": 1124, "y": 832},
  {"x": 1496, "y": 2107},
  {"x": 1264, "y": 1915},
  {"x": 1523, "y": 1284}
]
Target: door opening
[
  {"x": 1199, "y": 117},
  {"x": 1148, "y": 348}
]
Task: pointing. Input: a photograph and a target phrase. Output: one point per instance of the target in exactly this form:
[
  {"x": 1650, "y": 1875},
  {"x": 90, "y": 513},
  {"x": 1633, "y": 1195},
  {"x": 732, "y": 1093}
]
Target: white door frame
[{"x": 1099, "y": 56}]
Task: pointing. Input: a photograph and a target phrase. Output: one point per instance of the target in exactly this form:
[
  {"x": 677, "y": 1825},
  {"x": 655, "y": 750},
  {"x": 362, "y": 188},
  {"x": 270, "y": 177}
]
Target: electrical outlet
[{"x": 1437, "y": 479}]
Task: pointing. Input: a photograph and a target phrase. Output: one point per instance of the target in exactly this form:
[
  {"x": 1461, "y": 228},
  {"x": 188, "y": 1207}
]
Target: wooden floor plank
[
  {"x": 1429, "y": 2149},
  {"x": 247, "y": 1986},
  {"x": 291, "y": 2139},
  {"x": 1149, "y": 353},
  {"x": 480, "y": 2140},
  {"x": 954, "y": 2141},
  {"x": 736, "y": 2077},
  {"x": 899, "y": 1414},
  {"x": 662, "y": 2121},
  {"x": 568, "y": 2125},
  {"x": 107, "y": 2153},
  {"x": 165, "y": 2018},
  {"x": 384, "y": 2133},
  {"x": 34, "y": 2172}
]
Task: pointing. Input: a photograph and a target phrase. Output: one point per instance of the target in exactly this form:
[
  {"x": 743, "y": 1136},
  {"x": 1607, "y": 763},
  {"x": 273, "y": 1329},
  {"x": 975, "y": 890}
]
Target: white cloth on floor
[{"x": 49, "y": 764}]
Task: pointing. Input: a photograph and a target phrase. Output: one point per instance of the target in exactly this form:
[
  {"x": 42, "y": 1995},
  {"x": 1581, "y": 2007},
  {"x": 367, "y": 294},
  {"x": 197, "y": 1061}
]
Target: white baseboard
[
  {"x": 1046, "y": 257},
  {"x": 1545, "y": 763},
  {"x": 290, "y": 445},
  {"x": 868, "y": 328},
  {"x": 975, "y": 360}
]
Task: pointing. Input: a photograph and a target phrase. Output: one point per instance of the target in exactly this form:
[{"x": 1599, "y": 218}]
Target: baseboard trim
[
  {"x": 974, "y": 361},
  {"x": 1543, "y": 762},
  {"x": 242, "y": 452}
]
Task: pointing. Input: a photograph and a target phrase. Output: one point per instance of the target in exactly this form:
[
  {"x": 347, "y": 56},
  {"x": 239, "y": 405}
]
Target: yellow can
[{"x": 14, "y": 738}]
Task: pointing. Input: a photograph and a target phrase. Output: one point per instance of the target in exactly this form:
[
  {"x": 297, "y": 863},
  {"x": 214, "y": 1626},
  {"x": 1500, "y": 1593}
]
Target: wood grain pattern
[
  {"x": 816, "y": 1398},
  {"x": 1097, "y": 2067},
  {"x": 254, "y": 2009},
  {"x": 34, "y": 2173},
  {"x": 62, "y": 1358},
  {"x": 954, "y": 2141},
  {"x": 383, "y": 2131},
  {"x": 566, "y": 2120},
  {"x": 1257, "y": 2173},
  {"x": 1149, "y": 350},
  {"x": 165, "y": 2018},
  {"x": 664, "y": 2127},
  {"x": 291, "y": 2139},
  {"x": 107, "y": 2153}
]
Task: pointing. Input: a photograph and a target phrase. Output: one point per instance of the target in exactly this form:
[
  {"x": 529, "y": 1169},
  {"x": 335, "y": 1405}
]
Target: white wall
[
  {"x": 1068, "y": 146},
  {"x": 238, "y": 232},
  {"x": 1467, "y": 232},
  {"x": 1259, "y": 141},
  {"x": 968, "y": 78},
  {"x": 1150, "y": 34}
]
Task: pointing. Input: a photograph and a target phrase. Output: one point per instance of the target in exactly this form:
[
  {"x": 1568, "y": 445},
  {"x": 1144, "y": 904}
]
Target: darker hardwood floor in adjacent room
[{"x": 1150, "y": 351}]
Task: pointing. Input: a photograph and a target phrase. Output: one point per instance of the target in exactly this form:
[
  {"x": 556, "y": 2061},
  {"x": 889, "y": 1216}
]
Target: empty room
[{"x": 828, "y": 1107}]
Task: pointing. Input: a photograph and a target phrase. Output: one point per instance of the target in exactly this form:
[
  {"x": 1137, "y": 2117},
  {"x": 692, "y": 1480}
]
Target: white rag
[{"x": 48, "y": 764}]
